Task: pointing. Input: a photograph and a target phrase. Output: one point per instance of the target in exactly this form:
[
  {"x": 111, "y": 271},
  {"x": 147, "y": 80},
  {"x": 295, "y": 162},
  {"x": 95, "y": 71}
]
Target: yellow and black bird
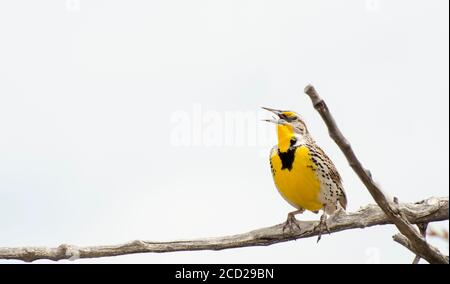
[{"x": 302, "y": 172}]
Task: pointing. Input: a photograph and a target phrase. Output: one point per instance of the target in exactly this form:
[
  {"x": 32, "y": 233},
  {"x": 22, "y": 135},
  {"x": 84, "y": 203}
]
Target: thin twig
[
  {"x": 417, "y": 243},
  {"x": 399, "y": 238},
  {"x": 423, "y": 231},
  {"x": 429, "y": 210}
]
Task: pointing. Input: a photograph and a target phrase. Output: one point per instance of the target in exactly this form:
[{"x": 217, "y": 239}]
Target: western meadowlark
[{"x": 303, "y": 174}]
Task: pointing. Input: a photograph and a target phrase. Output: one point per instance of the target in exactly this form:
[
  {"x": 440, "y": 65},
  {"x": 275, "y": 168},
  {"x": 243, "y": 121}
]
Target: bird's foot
[
  {"x": 291, "y": 222},
  {"x": 323, "y": 225}
]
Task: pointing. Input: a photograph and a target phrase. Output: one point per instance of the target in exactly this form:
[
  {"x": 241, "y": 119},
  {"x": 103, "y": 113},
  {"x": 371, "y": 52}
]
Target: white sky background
[{"x": 87, "y": 94}]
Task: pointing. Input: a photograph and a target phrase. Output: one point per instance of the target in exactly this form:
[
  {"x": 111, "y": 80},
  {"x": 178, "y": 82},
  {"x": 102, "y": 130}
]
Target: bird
[{"x": 303, "y": 174}]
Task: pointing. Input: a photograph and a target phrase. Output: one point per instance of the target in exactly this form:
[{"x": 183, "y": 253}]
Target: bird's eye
[{"x": 291, "y": 116}]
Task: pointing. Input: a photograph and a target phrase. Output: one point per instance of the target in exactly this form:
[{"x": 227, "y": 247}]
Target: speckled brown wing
[{"x": 318, "y": 153}]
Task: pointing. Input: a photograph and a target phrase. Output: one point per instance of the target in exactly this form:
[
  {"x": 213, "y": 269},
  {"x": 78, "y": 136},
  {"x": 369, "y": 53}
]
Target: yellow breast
[{"x": 295, "y": 178}]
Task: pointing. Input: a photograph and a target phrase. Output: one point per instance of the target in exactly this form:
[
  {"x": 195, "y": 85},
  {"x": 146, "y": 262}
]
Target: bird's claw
[
  {"x": 290, "y": 223},
  {"x": 321, "y": 226}
]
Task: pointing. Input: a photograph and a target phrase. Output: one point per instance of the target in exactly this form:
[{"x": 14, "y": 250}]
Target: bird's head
[
  {"x": 288, "y": 119},
  {"x": 290, "y": 127}
]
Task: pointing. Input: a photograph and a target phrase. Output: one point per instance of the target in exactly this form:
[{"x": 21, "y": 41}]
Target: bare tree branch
[
  {"x": 417, "y": 243},
  {"x": 423, "y": 231},
  {"x": 429, "y": 210},
  {"x": 399, "y": 238}
]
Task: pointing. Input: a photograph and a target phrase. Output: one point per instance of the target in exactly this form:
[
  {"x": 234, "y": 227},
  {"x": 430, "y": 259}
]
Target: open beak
[
  {"x": 274, "y": 119},
  {"x": 275, "y": 111},
  {"x": 271, "y": 120},
  {"x": 277, "y": 121}
]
